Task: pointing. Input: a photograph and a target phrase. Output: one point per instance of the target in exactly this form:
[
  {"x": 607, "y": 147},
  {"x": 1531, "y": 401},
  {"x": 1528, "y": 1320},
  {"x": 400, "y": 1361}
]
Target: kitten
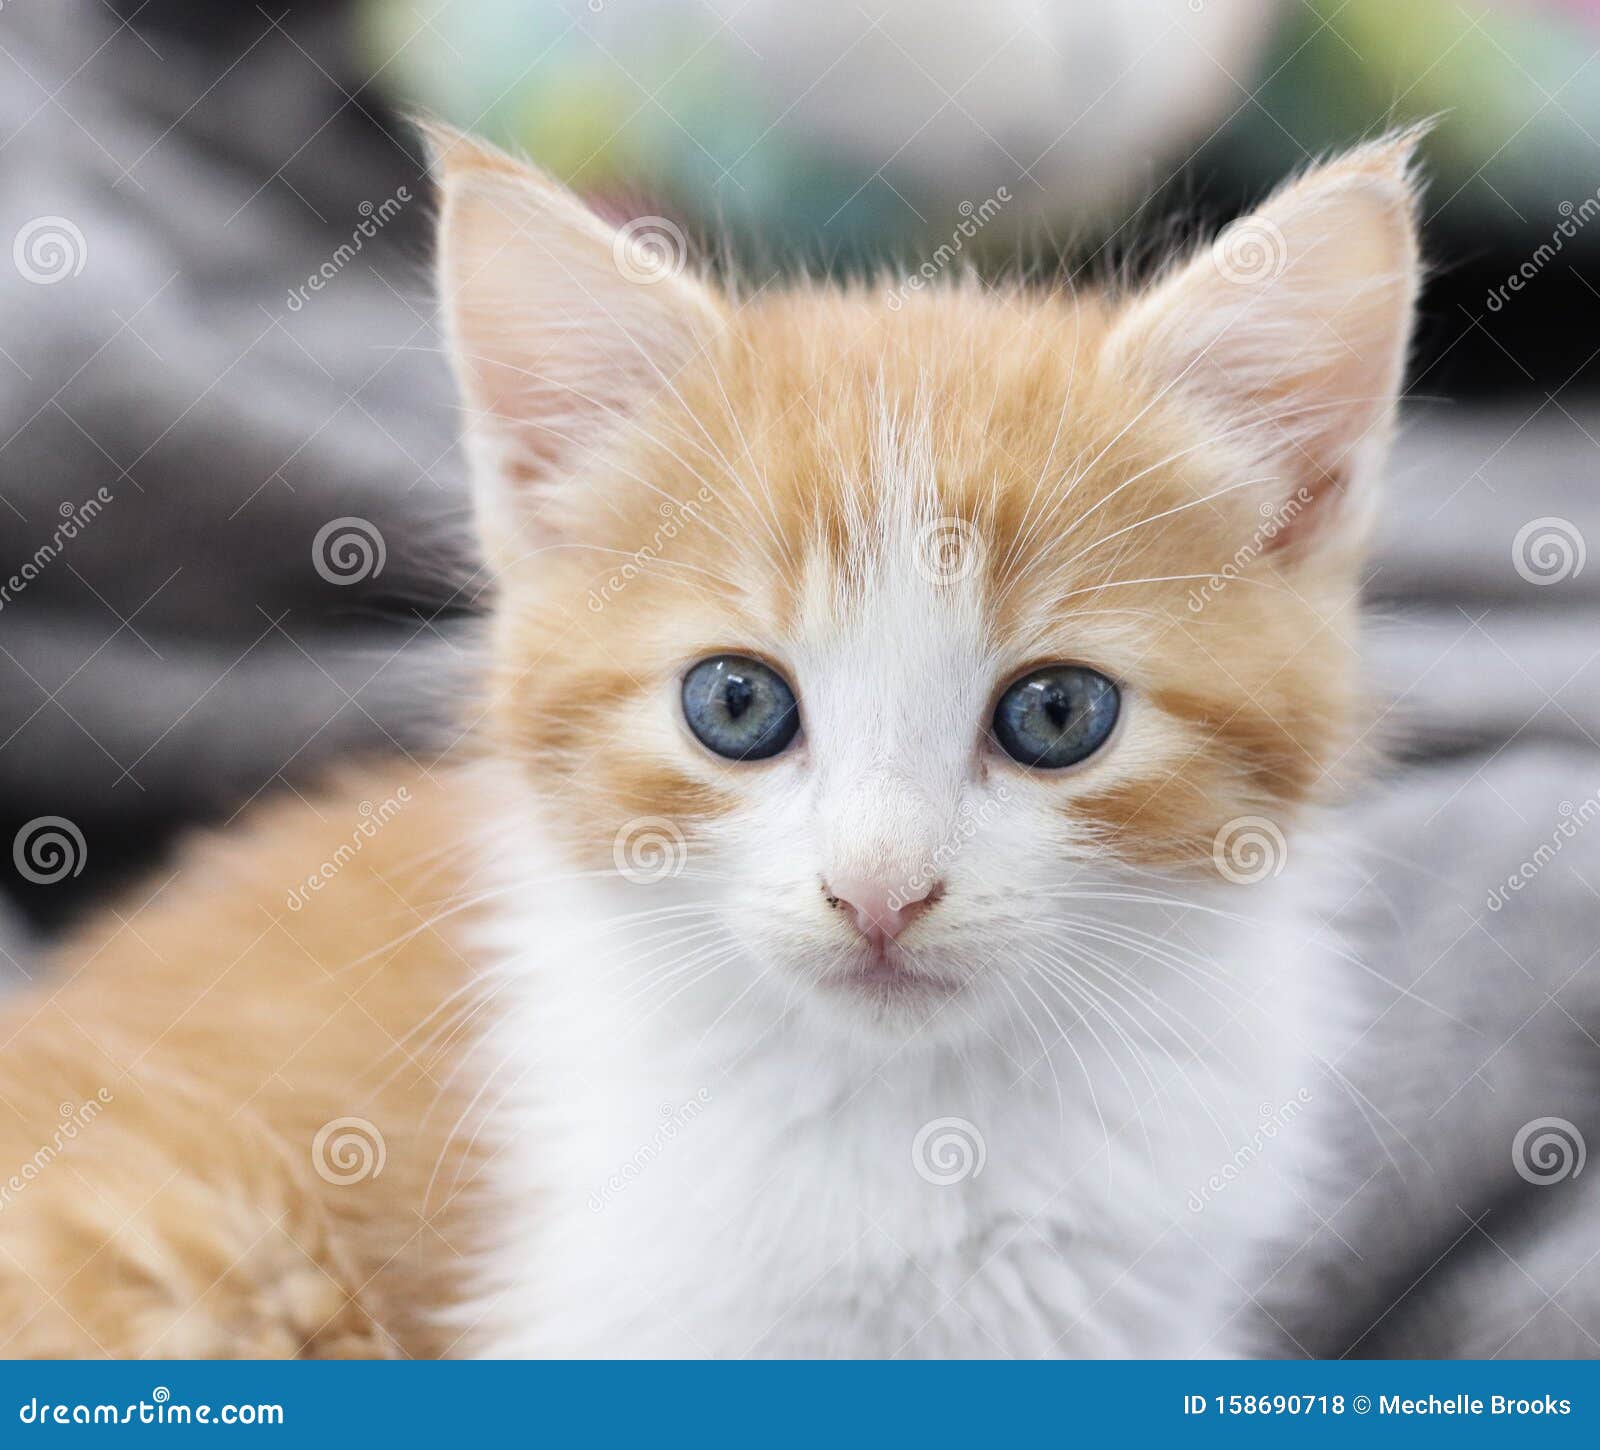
[{"x": 881, "y": 920}]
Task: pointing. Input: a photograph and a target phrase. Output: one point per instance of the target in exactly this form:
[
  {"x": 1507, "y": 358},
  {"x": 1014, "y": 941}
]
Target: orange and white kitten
[{"x": 849, "y": 942}]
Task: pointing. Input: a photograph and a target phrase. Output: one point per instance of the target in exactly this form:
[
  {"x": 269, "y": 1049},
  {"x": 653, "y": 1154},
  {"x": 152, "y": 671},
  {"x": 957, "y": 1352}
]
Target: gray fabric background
[{"x": 183, "y": 650}]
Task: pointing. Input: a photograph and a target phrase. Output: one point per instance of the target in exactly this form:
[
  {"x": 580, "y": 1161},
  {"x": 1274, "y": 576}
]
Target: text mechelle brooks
[{"x": 1472, "y": 1405}]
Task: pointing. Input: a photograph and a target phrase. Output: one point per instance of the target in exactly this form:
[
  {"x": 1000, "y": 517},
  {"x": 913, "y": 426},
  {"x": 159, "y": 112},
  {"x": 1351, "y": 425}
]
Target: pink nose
[{"x": 880, "y": 910}]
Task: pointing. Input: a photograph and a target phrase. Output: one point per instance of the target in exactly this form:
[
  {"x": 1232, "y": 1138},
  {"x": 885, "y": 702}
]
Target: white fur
[{"x": 784, "y": 1214}]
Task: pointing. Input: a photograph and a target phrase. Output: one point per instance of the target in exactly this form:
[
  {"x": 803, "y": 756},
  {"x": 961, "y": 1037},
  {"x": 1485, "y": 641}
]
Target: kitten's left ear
[
  {"x": 561, "y": 330},
  {"x": 1288, "y": 336}
]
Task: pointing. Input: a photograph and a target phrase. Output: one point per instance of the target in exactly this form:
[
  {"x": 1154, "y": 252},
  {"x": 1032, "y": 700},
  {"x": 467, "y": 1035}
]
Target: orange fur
[{"x": 220, "y": 1030}]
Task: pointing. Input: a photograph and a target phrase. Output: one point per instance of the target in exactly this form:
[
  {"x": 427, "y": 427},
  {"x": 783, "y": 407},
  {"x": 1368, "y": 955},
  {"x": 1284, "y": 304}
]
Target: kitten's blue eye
[
  {"x": 740, "y": 707},
  {"x": 1056, "y": 716}
]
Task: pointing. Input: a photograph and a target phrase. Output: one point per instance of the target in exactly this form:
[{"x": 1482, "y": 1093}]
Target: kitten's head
[{"x": 881, "y": 626}]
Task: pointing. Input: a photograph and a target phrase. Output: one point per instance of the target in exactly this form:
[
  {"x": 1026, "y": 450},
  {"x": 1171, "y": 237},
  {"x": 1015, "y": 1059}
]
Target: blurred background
[{"x": 233, "y": 524}]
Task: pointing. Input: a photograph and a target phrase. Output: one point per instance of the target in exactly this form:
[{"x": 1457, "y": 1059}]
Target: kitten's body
[
  {"x": 682, "y": 1192},
  {"x": 218, "y": 1030},
  {"x": 640, "y": 1086}
]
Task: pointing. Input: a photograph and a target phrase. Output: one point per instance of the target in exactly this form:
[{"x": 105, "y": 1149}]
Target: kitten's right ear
[
  {"x": 560, "y": 328},
  {"x": 1288, "y": 335}
]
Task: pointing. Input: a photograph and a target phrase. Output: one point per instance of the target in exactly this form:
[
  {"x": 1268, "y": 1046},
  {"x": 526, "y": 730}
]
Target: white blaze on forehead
[{"x": 894, "y": 658}]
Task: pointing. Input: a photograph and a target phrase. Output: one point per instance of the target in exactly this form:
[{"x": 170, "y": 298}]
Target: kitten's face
[{"x": 895, "y": 638}]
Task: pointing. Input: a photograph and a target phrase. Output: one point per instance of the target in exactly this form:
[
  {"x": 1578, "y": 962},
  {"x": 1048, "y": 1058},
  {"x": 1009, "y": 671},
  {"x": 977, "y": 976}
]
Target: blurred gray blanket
[
  {"x": 214, "y": 342},
  {"x": 199, "y": 638}
]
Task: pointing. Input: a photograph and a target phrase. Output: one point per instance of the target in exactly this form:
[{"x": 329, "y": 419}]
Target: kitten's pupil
[
  {"x": 1057, "y": 707},
  {"x": 736, "y": 696}
]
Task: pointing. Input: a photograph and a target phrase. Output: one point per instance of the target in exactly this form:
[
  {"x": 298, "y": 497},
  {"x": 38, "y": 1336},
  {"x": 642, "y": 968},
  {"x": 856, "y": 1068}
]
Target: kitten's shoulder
[{"x": 374, "y": 842}]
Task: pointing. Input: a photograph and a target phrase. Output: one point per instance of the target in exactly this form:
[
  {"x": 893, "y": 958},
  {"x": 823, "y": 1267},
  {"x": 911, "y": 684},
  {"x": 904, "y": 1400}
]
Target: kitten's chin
[{"x": 889, "y": 987}]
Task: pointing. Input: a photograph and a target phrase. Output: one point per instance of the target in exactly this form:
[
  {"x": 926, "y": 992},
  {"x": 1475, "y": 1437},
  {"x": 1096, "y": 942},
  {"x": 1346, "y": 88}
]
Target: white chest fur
[{"x": 1068, "y": 1187}]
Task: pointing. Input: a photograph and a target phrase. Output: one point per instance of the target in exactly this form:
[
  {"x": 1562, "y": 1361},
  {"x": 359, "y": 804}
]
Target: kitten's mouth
[{"x": 889, "y": 974}]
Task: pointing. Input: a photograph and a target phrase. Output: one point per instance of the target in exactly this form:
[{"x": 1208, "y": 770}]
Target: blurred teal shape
[
  {"x": 829, "y": 124},
  {"x": 664, "y": 107}
]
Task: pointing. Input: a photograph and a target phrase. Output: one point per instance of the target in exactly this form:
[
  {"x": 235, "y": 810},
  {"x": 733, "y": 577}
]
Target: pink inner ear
[
  {"x": 1291, "y": 330},
  {"x": 1300, "y": 516},
  {"x": 559, "y": 337},
  {"x": 553, "y": 377}
]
